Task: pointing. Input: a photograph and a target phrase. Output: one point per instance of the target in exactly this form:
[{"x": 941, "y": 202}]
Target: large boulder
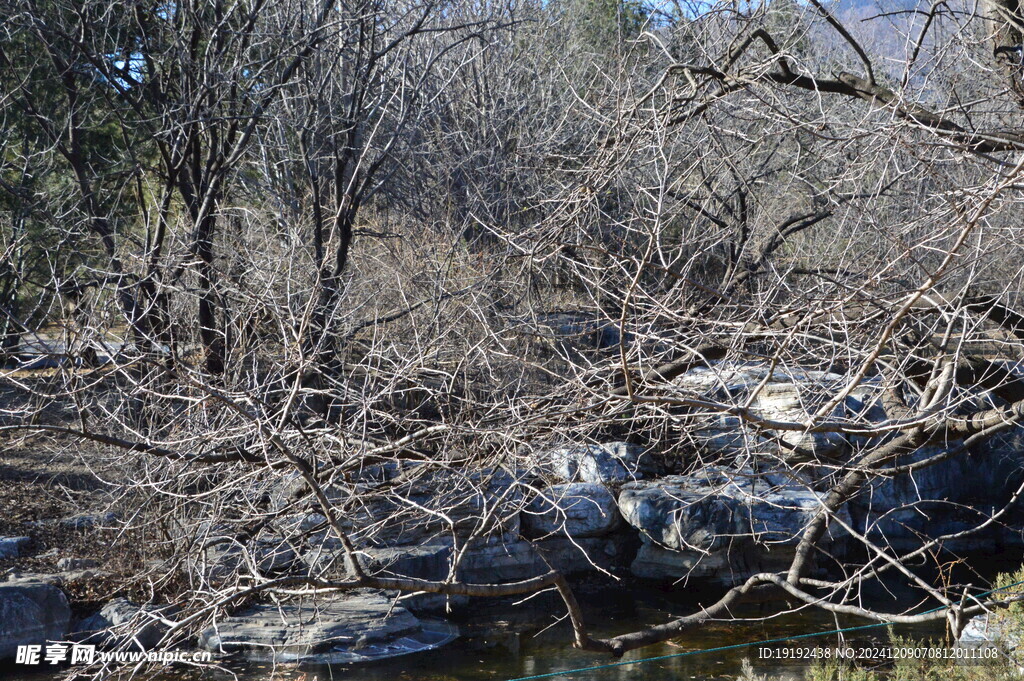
[
  {"x": 995, "y": 635},
  {"x": 355, "y": 627},
  {"x": 717, "y": 522},
  {"x": 31, "y": 614},
  {"x": 655, "y": 562},
  {"x": 781, "y": 394},
  {"x": 610, "y": 463},
  {"x": 221, "y": 556},
  {"x": 576, "y": 510},
  {"x": 122, "y": 622},
  {"x": 991, "y": 629},
  {"x": 431, "y": 561},
  {"x": 948, "y": 497},
  {"x": 500, "y": 559},
  {"x": 715, "y": 506},
  {"x": 485, "y": 560}
]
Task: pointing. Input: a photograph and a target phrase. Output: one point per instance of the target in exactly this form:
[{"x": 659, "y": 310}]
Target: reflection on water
[{"x": 505, "y": 640}]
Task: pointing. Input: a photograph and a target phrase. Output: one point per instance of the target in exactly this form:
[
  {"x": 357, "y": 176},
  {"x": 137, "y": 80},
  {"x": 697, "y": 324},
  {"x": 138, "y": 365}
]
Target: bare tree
[{"x": 336, "y": 238}]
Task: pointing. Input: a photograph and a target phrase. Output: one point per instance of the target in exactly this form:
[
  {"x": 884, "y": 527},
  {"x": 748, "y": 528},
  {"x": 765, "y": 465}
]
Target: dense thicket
[{"x": 275, "y": 239}]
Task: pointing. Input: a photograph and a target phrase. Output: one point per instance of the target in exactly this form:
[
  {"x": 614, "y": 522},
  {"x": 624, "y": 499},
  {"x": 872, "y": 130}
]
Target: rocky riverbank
[{"x": 604, "y": 508}]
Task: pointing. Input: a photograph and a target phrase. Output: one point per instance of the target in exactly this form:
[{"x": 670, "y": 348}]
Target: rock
[
  {"x": 786, "y": 394},
  {"x": 986, "y": 629},
  {"x": 431, "y": 560},
  {"x": 947, "y": 497},
  {"x": 351, "y": 628},
  {"x": 572, "y": 332},
  {"x": 12, "y": 547},
  {"x": 419, "y": 504},
  {"x": 575, "y": 509},
  {"x": 427, "y": 604},
  {"x": 655, "y": 562},
  {"x": 90, "y": 521},
  {"x": 58, "y": 579},
  {"x": 501, "y": 559},
  {"x": 223, "y": 557},
  {"x": 997, "y": 632},
  {"x": 486, "y": 501},
  {"x": 70, "y": 564},
  {"x": 901, "y": 511},
  {"x": 274, "y": 557},
  {"x": 120, "y": 621},
  {"x": 611, "y": 553},
  {"x": 485, "y": 561},
  {"x": 712, "y": 507},
  {"x": 31, "y": 614},
  {"x": 716, "y": 522},
  {"x": 611, "y": 463}
]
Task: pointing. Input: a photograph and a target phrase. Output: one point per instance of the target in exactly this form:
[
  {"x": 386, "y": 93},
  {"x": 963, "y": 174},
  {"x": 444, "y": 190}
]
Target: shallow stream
[
  {"x": 501, "y": 641},
  {"x": 505, "y": 641}
]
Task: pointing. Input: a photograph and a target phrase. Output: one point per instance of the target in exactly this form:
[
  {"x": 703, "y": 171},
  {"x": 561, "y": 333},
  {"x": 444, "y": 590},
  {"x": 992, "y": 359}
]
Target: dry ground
[{"x": 46, "y": 478}]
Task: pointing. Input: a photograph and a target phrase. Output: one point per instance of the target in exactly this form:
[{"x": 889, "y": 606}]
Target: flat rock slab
[
  {"x": 31, "y": 614},
  {"x": 353, "y": 628},
  {"x": 58, "y": 579}
]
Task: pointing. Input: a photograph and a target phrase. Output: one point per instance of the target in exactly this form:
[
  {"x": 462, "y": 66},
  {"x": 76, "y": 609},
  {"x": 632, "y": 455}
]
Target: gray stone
[
  {"x": 984, "y": 629},
  {"x": 655, "y": 562},
  {"x": 121, "y": 622},
  {"x": 726, "y": 567},
  {"x": 12, "y": 547},
  {"x": 31, "y": 614},
  {"x": 70, "y": 564},
  {"x": 994, "y": 631},
  {"x": 906, "y": 510},
  {"x": 714, "y": 506},
  {"x": 431, "y": 560},
  {"x": 431, "y": 604},
  {"x": 424, "y": 503},
  {"x": 786, "y": 394},
  {"x": 501, "y": 559},
  {"x": 57, "y": 579},
  {"x": 222, "y": 558},
  {"x": 610, "y": 553},
  {"x": 610, "y": 463},
  {"x": 575, "y": 509},
  {"x": 718, "y": 523},
  {"x": 89, "y": 521},
  {"x": 572, "y": 332},
  {"x": 354, "y": 627},
  {"x": 274, "y": 557}
]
